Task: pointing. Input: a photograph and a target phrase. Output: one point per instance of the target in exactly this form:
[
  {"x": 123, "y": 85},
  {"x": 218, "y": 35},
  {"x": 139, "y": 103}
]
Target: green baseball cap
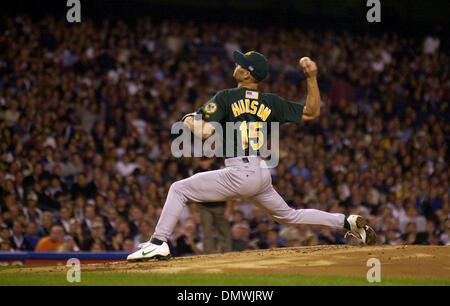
[{"x": 254, "y": 62}]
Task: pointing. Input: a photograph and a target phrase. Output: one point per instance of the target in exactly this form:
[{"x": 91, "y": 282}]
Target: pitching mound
[{"x": 407, "y": 261}]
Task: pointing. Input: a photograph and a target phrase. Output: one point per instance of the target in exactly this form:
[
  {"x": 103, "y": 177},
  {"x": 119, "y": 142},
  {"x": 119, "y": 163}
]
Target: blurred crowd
[{"x": 86, "y": 112}]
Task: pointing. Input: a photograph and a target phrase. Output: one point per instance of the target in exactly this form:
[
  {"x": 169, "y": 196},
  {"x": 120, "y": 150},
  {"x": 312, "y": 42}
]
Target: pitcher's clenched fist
[
  {"x": 309, "y": 67},
  {"x": 312, "y": 107}
]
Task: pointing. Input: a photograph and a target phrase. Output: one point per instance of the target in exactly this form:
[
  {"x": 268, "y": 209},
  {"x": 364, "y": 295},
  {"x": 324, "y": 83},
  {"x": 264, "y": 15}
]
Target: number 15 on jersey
[{"x": 251, "y": 133}]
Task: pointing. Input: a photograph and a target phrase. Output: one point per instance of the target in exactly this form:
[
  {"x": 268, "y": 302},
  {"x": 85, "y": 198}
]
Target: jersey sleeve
[
  {"x": 288, "y": 111},
  {"x": 214, "y": 109}
]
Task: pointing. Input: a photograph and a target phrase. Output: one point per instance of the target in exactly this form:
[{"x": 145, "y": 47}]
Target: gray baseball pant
[{"x": 242, "y": 177}]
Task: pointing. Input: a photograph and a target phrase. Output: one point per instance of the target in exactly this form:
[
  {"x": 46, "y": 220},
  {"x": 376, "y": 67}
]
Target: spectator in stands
[
  {"x": 51, "y": 242},
  {"x": 328, "y": 236},
  {"x": 4, "y": 233},
  {"x": 125, "y": 166},
  {"x": 82, "y": 186},
  {"x": 5, "y": 246},
  {"x": 76, "y": 231},
  {"x": 18, "y": 240},
  {"x": 274, "y": 240},
  {"x": 88, "y": 217},
  {"x": 96, "y": 237},
  {"x": 97, "y": 247},
  {"x": 31, "y": 234},
  {"x": 237, "y": 217},
  {"x": 435, "y": 238},
  {"x": 128, "y": 245},
  {"x": 117, "y": 242},
  {"x": 135, "y": 218},
  {"x": 412, "y": 216},
  {"x": 291, "y": 235},
  {"x": 46, "y": 224},
  {"x": 32, "y": 213},
  {"x": 239, "y": 237},
  {"x": 65, "y": 218},
  {"x": 68, "y": 245},
  {"x": 185, "y": 242},
  {"x": 310, "y": 239},
  {"x": 144, "y": 235},
  {"x": 393, "y": 237},
  {"x": 445, "y": 237}
]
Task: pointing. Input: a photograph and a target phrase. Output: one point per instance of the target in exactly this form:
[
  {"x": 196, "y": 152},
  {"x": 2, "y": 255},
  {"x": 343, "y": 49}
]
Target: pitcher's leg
[
  {"x": 273, "y": 203},
  {"x": 208, "y": 186}
]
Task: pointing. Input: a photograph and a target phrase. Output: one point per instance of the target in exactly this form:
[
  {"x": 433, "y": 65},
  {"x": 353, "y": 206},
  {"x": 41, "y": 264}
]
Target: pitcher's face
[{"x": 239, "y": 73}]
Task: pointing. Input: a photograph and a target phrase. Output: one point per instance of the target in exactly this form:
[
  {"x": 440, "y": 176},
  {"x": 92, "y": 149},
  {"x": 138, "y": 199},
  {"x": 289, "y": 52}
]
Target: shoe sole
[
  {"x": 371, "y": 236},
  {"x": 156, "y": 257},
  {"x": 361, "y": 222}
]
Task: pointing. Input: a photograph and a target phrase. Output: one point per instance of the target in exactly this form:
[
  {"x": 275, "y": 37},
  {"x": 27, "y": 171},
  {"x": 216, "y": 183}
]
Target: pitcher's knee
[{"x": 177, "y": 187}]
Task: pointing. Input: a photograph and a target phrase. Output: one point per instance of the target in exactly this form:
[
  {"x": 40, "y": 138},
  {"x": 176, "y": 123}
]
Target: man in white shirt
[
  {"x": 125, "y": 167},
  {"x": 413, "y": 216}
]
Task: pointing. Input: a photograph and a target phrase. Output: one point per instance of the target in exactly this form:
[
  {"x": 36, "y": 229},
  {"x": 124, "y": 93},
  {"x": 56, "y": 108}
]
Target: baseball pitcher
[{"x": 246, "y": 176}]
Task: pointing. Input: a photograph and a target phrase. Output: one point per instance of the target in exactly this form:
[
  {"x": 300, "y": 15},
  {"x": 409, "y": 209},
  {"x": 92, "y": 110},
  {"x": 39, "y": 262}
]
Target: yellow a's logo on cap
[{"x": 249, "y": 52}]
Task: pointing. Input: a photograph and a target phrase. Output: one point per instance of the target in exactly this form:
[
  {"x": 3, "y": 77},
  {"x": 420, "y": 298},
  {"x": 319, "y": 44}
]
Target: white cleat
[
  {"x": 150, "y": 251},
  {"x": 360, "y": 230},
  {"x": 144, "y": 244}
]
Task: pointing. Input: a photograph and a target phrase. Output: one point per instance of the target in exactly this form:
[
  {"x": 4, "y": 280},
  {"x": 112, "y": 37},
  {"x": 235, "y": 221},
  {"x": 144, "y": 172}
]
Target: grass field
[
  {"x": 297, "y": 266},
  {"x": 153, "y": 279}
]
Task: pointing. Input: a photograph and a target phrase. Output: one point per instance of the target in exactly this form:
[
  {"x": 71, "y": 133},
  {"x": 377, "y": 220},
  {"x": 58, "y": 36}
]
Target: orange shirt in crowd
[{"x": 47, "y": 245}]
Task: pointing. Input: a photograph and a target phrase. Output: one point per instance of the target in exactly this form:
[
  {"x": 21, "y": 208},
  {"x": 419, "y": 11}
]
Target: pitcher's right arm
[{"x": 312, "y": 108}]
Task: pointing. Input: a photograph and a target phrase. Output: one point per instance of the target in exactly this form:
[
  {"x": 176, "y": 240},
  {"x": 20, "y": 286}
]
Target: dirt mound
[{"x": 412, "y": 261}]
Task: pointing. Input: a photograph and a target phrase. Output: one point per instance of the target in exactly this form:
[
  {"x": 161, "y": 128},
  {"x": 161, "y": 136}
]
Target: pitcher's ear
[{"x": 248, "y": 76}]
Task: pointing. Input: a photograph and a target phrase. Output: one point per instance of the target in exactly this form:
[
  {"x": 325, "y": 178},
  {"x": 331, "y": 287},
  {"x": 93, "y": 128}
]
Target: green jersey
[{"x": 250, "y": 113}]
